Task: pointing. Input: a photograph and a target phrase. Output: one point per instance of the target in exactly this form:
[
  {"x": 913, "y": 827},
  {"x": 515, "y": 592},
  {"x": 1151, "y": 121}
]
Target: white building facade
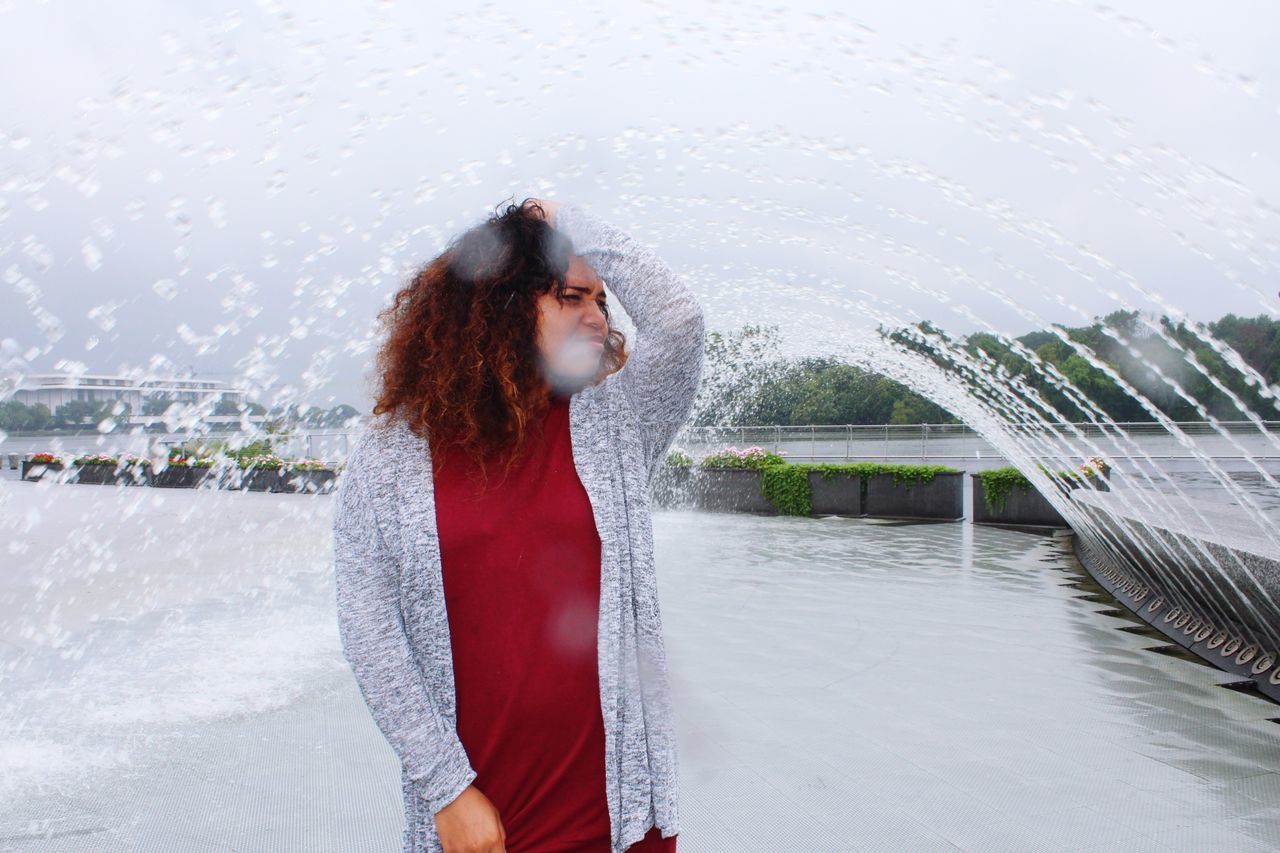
[{"x": 55, "y": 389}]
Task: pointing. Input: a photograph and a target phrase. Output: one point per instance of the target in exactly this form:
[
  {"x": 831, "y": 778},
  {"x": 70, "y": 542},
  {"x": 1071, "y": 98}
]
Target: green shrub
[
  {"x": 786, "y": 485},
  {"x": 261, "y": 447},
  {"x": 679, "y": 459},
  {"x": 787, "y": 488},
  {"x": 997, "y": 483}
]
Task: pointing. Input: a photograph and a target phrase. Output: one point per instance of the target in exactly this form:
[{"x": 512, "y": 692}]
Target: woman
[{"x": 496, "y": 592}]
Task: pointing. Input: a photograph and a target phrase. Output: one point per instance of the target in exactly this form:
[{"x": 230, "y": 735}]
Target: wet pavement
[{"x": 172, "y": 680}]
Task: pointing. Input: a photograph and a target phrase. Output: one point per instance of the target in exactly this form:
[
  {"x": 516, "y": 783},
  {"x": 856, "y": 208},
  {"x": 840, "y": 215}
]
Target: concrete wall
[
  {"x": 839, "y": 494},
  {"x": 730, "y": 490},
  {"x": 940, "y": 498},
  {"x": 1021, "y": 507},
  {"x": 741, "y": 490}
]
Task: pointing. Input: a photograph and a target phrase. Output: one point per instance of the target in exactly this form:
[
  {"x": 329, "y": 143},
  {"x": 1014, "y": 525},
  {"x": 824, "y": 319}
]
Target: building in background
[
  {"x": 147, "y": 399},
  {"x": 54, "y": 389}
]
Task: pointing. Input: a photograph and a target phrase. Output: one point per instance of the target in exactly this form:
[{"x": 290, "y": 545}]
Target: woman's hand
[
  {"x": 549, "y": 208},
  {"x": 470, "y": 824}
]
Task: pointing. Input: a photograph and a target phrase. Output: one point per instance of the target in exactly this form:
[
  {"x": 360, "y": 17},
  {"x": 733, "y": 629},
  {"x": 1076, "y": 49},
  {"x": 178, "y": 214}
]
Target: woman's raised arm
[{"x": 662, "y": 374}]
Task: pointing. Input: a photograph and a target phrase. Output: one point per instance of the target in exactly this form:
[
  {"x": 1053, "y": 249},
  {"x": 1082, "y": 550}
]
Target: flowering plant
[
  {"x": 96, "y": 459},
  {"x": 267, "y": 461},
  {"x": 46, "y": 458},
  {"x": 751, "y": 457},
  {"x": 1095, "y": 465},
  {"x": 308, "y": 465},
  {"x": 679, "y": 459},
  {"x": 180, "y": 458},
  {"x": 134, "y": 459}
]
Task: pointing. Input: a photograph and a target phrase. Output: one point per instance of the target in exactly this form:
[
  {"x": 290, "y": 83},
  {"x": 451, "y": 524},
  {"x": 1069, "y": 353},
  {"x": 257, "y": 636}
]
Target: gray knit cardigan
[{"x": 390, "y": 597}]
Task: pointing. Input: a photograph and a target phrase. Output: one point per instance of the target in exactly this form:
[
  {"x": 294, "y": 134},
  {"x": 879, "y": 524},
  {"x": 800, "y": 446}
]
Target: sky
[{"x": 235, "y": 189}]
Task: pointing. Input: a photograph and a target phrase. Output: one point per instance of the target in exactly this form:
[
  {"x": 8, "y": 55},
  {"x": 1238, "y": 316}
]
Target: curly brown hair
[{"x": 460, "y": 359}]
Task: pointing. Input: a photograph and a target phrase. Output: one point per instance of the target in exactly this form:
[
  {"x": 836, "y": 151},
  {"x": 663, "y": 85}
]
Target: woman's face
[{"x": 572, "y": 329}]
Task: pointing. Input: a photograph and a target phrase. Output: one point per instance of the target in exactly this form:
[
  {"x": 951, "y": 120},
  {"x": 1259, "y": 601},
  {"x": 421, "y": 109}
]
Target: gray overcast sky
[{"x": 238, "y": 187}]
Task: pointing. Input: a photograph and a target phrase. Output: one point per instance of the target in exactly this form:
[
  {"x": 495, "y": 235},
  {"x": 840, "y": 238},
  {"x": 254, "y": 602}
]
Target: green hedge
[
  {"x": 786, "y": 485},
  {"x": 998, "y": 483}
]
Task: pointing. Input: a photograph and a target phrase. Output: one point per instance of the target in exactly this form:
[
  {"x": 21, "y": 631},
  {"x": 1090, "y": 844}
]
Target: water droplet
[{"x": 217, "y": 211}]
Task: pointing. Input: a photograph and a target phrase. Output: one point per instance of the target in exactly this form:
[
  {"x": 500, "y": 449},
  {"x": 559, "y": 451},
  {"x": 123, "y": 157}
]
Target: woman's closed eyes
[{"x": 575, "y": 297}]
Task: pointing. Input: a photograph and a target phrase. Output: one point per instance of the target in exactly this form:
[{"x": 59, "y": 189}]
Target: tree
[
  {"x": 20, "y": 417},
  {"x": 81, "y": 412},
  {"x": 1177, "y": 370},
  {"x": 156, "y": 404}
]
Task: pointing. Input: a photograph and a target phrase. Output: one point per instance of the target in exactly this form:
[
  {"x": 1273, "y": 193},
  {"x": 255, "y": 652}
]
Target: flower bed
[
  {"x": 729, "y": 480},
  {"x": 833, "y": 491},
  {"x": 730, "y": 490},
  {"x": 185, "y": 477},
  {"x": 310, "y": 476},
  {"x": 182, "y": 470},
  {"x": 107, "y": 470},
  {"x": 755, "y": 480},
  {"x": 40, "y": 464},
  {"x": 1017, "y": 503},
  {"x": 1006, "y": 496},
  {"x": 750, "y": 457},
  {"x": 915, "y": 491},
  {"x": 671, "y": 487}
]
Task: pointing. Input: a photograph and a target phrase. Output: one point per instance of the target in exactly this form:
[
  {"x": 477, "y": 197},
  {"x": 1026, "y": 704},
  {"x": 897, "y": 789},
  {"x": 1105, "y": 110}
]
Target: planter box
[
  {"x": 839, "y": 494},
  {"x": 940, "y": 498},
  {"x": 730, "y": 490},
  {"x": 181, "y": 477},
  {"x": 261, "y": 480},
  {"x": 1020, "y": 507},
  {"x": 310, "y": 481},
  {"x": 671, "y": 487},
  {"x": 110, "y": 475},
  {"x": 1098, "y": 484},
  {"x": 104, "y": 475},
  {"x": 36, "y": 470}
]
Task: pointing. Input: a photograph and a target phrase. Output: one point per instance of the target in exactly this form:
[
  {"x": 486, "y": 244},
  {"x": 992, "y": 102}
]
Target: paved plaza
[{"x": 174, "y": 681}]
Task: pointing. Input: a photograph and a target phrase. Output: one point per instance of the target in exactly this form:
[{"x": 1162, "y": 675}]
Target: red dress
[{"x": 521, "y": 574}]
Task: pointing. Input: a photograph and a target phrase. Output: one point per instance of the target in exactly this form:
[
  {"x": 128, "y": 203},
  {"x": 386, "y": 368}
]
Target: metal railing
[
  {"x": 959, "y": 441},
  {"x": 939, "y": 442}
]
